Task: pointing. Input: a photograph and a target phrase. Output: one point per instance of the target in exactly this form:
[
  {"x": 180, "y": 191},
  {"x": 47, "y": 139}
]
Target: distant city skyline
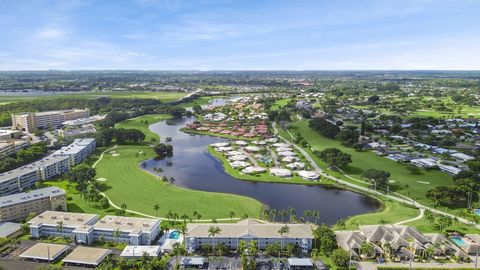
[{"x": 240, "y": 35}]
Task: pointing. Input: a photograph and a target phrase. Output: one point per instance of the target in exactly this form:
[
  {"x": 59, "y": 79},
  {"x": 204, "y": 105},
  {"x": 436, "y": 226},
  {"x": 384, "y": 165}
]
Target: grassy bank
[
  {"x": 140, "y": 124},
  {"x": 140, "y": 190},
  {"x": 363, "y": 160}
]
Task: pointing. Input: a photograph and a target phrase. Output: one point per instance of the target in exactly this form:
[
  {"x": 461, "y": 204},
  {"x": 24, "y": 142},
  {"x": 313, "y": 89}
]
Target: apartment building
[
  {"x": 10, "y": 147},
  {"x": 18, "y": 206},
  {"x": 249, "y": 230},
  {"x": 85, "y": 229},
  {"x": 7, "y": 134},
  {"x": 43, "y": 120},
  {"x": 129, "y": 230},
  {"x": 25, "y": 177},
  {"x": 60, "y": 224},
  {"x": 77, "y": 151}
]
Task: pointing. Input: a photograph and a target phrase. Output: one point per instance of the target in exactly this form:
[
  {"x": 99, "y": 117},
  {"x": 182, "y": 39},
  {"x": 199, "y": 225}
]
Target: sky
[{"x": 240, "y": 35}]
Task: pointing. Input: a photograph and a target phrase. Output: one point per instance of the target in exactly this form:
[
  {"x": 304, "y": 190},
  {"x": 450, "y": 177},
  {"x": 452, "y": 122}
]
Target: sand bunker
[
  {"x": 101, "y": 179},
  {"x": 115, "y": 155},
  {"x": 423, "y": 182}
]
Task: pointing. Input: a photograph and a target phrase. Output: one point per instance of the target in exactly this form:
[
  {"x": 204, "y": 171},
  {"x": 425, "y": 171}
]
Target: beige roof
[
  {"x": 127, "y": 224},
  {"x": 87, "y": 255},
  {"x": 250, "y": 228},
  {"x": 44, "y": 251},
  {"x": 69, "y": 219}
]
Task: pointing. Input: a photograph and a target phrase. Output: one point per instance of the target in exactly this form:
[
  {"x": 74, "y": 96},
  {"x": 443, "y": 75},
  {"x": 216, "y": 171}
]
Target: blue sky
[{"x": 236, "y": 35}]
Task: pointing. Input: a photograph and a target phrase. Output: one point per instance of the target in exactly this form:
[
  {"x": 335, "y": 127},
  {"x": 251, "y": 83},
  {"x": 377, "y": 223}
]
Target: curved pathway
[{"x": 397, "y": 197}]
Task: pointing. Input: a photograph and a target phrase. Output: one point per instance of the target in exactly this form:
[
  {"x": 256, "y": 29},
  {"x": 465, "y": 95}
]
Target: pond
[{"x": 194, "y": 168}]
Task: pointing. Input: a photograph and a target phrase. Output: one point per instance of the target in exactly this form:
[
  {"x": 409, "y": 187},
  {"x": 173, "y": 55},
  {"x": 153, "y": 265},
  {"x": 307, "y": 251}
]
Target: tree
[
  {"x": 60, "y": 227},
  {"x": 340, "y": 258},
  {"x": 324, "y": 127},
  {"x": 156, "y": 207},
  {"x": 348, "y": 137},
  {"x": 366, "y": 249},
  {"x": 334, "y": 157},
  {"x": 104, "y": 204},
  {"x": 284, "y": 230},
  {"x": 116, "y": 234},
  {"x": 232, "y": 214},
  {"x": 379, "y": 178},
  {"x": 212, "y": 232},
  {"x": 163, "y": 150},
  {"x": 413, "y": 169}
]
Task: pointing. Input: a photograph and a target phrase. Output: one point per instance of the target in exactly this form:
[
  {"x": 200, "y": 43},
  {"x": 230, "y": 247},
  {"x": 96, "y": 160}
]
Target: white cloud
[{"x": 49, "y": 33}]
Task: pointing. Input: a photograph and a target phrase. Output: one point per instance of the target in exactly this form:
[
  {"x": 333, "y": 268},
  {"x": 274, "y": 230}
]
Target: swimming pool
[
  {"x": 174, "y": 235},
  {"x": 477, "y": 212},
  {"x": 458, "y": 240}
]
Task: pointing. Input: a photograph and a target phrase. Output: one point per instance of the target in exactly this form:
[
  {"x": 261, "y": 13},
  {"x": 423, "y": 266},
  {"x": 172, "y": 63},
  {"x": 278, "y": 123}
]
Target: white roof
[
  {"x": 237, "y": 157},
  {"x": 220, "y": 144},
  {"x": 44, "y": 251},
  {"x": 308, "y": 174},
  {"x": 253, "y": 169},
  {"x": 241, "y": 142},
  {"x": 239, "y": 164},
  {"x": 300, "y": 262},
  {"x": 233, "y": 153},
  {"x": 138, "y": 251},
  {"x": 287, "y": 153},
  {"x": 192, "y": 261},
  {"x": 462, "y": 156},
  {"x": 87, "y": 255},
  {"x": 280, "y": 172}
]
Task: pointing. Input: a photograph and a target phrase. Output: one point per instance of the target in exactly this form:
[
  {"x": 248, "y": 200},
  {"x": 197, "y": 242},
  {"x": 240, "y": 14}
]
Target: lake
[{"x": 194, "y": 168}]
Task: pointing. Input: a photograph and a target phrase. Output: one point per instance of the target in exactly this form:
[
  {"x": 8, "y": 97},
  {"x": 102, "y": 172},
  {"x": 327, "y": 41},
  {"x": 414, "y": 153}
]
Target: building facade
[
  {"x": 18, "y": 206},
  {"x": 60, "y": 224},
  {"x": 249, "y": 230},
  {"x": 58, "y": 163},
  {"x": 85, "y": 229},
  {"x": 44, "y": 120}
]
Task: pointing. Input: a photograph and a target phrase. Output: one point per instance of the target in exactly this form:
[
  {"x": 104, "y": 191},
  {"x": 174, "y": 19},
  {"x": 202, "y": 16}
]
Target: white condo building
[{"x": 249, "y": 230}]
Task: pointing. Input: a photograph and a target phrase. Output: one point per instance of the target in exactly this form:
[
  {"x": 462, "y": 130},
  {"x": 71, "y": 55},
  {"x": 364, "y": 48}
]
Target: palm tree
[
  {"x": 124, "y": 207},
  {"x": 292, "y": 213},
  {"x": 177, "y": 250},
  {"x": 212, "y": 231},
  {"x": 232, "y": 214},
  {"x": 116, "y": 234},
  {"x": 283, "y": 231},
  {"x": 156, "y": 207},
  {"x": 60, "y": 227},
  {"x": 195, "y": 213},
  {"x": 183, "y": 230}
]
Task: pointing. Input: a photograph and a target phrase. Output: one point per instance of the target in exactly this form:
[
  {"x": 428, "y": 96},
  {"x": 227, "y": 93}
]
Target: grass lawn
[
  {"x": 77, "y": 204},
  {"x": 392, "y": 212},
  {"x": 425, "y": 227},
  {"x": 138, "y": 123},
  {"x": 199, "y": 101},
  {"x": 140, "y": 190},
  {"x": 365, "y": 160},
  {"x": 163, "y": 96},
  {"x": 280, "y": 103}
]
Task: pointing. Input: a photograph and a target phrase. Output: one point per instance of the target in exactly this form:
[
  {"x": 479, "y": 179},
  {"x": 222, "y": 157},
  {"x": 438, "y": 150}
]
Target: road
[{"x": 397, "y": 197}]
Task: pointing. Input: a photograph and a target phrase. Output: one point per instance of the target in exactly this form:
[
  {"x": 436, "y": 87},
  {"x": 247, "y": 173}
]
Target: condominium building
[
  {"x": 129, "y": 230},
  {"x": 249, "y": 230},
  {"x": 60, "y": 224},
  {"x": 77, "y": 151},
  {"x": 10, "y": 147},
  {"x": 85, "y": 229},
  {"x": 18, "y": 206},
  {"x": 51, "y": 166},
  {"x": 43, "y": 120},
  {"x": 7, "y": 134}
]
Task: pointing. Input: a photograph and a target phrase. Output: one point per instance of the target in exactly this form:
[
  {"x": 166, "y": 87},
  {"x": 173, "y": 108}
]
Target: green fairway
[
  {"x": 199, "y": 101},
  {"x": 140, "y": 124},
  {"x": 140, "y": 190},
  {"x": 392, "y": 212},
  {"x": 162, "y": 96},
  {"x": 77, "y": 204},
  {"x": 365, "y": 160}
]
